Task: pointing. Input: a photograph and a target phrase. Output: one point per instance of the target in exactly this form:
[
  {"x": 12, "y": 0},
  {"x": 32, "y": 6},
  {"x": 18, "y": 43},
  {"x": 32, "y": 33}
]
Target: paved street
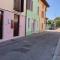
[{"x": 37, "y": 47}]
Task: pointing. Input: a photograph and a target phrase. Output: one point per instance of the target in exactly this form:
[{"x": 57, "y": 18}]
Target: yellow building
[{"x": 42, "y": 13}]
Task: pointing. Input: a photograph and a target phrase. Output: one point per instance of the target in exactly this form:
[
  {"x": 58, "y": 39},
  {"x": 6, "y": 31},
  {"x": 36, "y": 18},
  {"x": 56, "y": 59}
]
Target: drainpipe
[{"x": 25, "y": 18}]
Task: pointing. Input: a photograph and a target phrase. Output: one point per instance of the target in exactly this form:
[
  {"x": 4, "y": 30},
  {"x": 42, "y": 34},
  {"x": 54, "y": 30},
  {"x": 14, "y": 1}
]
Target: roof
[{"x": 45, "y": 2}]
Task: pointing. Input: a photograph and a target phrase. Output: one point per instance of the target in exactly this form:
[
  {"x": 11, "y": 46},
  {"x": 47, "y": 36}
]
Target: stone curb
[{"x": 57, "y": 52}]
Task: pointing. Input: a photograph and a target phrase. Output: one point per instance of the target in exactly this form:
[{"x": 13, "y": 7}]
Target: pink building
[{"x": 12, "y": 19}]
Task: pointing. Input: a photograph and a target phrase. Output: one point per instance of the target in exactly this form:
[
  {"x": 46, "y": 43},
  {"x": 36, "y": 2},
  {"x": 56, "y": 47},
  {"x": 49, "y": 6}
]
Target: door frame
[
  {"x": 17, "y": 25},
  {"x": 2, "y": 13}
]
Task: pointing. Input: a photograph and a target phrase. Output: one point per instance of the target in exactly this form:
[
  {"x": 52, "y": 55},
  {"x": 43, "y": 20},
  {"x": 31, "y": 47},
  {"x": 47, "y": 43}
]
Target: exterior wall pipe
[{"x": 25, "y": 19}]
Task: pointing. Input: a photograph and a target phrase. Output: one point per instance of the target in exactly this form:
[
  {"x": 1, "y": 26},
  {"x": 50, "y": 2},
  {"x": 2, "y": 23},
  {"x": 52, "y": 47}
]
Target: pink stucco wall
[
  {"x": 22, "y": 26},
  {"x": 7, "y": 31}
]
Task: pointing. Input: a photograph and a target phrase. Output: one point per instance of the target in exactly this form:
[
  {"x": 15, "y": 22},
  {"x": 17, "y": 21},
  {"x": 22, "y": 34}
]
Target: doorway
[
  {"x": 1, "y": 24},
  {"x": 16, "y": 25}
]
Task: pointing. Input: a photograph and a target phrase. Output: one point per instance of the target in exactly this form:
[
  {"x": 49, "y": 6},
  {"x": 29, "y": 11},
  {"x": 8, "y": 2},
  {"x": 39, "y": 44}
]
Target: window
[
  {"x": 38, "y": 11},
  {"x": 16, "y": 18},
  {"x": 16, "y": 5},
  {"x": 22, "y": 5},
  {"x": 28, "y": 22},
  {"x": 29, "y": 4},
  {"x": 19, "y": 5},
  {"x": 12, "y": 25},
  {"x": 34, "y": 24},
  {"x": 45, "y": 9},
  {"x": 42, "y": 25},
  {"x": 42, "y": 14},
  {"x": 42, "y": 6}
]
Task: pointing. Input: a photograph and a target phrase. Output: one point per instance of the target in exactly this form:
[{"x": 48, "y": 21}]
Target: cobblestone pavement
[{"x": 37, "y": 47}]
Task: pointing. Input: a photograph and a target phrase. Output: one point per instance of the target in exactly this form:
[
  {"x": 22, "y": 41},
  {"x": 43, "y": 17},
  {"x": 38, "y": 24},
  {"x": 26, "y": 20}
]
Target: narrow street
[{"x": 37, "y": 47}]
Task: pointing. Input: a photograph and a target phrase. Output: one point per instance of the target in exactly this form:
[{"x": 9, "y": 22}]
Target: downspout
[{"x": 25, "y": 18}]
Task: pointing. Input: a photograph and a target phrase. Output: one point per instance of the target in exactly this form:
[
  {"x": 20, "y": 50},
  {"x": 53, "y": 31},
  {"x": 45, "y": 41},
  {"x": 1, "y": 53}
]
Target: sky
[{"x": 54, "y": 9}]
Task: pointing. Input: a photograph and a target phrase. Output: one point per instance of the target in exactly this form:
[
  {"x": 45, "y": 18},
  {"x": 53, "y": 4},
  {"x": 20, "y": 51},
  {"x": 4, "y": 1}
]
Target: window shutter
[
  {"x": 19, "y": 6},
  {"x": 16, "y": 5},
  {"x": 29, "y": 4},
  {"x": 22, "y": 5}
]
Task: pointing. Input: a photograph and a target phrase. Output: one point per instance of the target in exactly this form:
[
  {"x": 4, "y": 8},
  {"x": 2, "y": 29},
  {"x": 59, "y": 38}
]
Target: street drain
[{"x": 22, "y": 50}]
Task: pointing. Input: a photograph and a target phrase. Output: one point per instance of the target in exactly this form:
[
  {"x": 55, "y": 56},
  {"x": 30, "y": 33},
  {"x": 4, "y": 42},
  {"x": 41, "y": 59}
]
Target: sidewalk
[
  {"x": 56, "y": 30},
  {"x": 11, "y": 41},
  {"x": 57, "y": 52}
]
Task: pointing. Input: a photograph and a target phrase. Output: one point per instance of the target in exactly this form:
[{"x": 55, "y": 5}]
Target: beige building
[
  {"x": 42, "y": 13},
  {"x": 9, "y": 6}
]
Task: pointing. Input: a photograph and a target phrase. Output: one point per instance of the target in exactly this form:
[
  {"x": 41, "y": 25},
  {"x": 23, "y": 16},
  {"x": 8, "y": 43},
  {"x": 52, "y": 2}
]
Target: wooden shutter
[
  {"x": 29, "y": 4},
  {"x": 16, "y": 5},
  {"x": 19, "y": 5},
  {"x": 22, "y": 5}
]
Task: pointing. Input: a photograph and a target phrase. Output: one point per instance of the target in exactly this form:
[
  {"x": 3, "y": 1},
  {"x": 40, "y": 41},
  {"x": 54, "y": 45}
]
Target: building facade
[
  {"x": 12, "y": 19},
  {"x": 32, "y": 21},
  {"x": 19, "y": 18},
  {"x": 42, "y": 14}
]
